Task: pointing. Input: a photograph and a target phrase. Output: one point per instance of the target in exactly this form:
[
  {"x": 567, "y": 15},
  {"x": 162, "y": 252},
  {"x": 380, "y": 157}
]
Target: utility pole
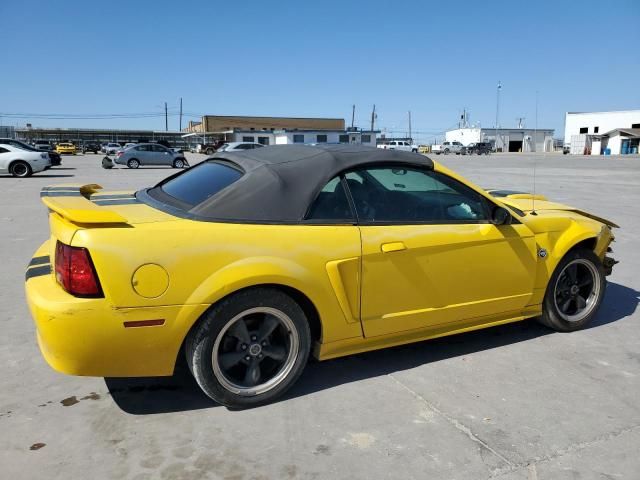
[
  {"x": 535, "y": 130},
  {"x": 497, "y": 111},
  {"x": 353, "y": 115},
  {"x": 373, "y": 116},
  {"x": 166, "y": 118},
  {"x": 410, "y": 139},
  {"x": 180, "y": 113}
]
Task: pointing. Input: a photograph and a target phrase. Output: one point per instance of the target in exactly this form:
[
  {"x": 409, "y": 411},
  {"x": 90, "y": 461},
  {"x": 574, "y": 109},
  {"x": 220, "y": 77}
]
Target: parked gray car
[{"x": 150, "y": 154}]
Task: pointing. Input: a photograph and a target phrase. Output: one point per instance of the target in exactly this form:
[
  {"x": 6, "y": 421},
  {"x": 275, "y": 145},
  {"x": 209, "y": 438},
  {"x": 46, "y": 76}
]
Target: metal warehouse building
[
  {"x": 596, "y": 133},
  {"x": 506, "y": 139}
]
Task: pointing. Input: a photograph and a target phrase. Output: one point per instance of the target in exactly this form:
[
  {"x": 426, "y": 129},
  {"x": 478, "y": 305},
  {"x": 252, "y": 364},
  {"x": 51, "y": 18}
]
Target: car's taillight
[
  {"x": 75, "y": 272},
  {"x": 119, "y": 154}
]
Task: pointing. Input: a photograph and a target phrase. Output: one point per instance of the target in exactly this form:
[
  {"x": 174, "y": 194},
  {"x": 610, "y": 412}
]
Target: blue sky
[{"x": 317, "y": 59}]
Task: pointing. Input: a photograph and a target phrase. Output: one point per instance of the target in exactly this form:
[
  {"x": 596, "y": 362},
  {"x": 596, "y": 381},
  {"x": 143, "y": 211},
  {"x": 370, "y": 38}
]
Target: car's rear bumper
[{"x": 92, "y": 337}]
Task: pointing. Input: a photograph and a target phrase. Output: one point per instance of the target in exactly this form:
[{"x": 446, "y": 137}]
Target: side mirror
[{"x": 500, "y": 216}]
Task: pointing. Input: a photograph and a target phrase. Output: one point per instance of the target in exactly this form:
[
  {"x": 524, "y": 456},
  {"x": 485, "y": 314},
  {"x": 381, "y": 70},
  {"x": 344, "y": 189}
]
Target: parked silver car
[
  {"x": 150, "y": 154},
  {"x": 239, "y": 146}
]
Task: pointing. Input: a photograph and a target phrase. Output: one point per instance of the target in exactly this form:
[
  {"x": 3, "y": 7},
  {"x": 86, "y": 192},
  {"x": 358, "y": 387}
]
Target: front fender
[{"x": 559, "y": 241}]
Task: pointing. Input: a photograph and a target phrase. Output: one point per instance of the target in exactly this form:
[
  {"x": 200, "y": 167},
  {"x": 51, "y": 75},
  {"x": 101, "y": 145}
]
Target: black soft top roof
[{"x": 281, "y": 181}]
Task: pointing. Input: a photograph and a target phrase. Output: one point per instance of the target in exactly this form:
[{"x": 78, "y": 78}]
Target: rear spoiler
[{"x": 73, "y": 202}]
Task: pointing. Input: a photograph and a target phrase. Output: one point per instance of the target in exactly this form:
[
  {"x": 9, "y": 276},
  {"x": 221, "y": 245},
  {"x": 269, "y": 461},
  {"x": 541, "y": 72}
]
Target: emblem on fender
[{"x": 542, "y": 253}]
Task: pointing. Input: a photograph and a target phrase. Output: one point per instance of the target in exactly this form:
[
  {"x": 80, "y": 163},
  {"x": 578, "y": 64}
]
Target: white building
[
  {"x": 506, "y": 139},
  {"x": 298, "y": 136},
  {"x": 596, "y": 132}
]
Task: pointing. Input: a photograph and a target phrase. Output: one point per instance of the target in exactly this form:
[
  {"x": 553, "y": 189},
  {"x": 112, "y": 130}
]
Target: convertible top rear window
[{"x": 195, "y": 185}]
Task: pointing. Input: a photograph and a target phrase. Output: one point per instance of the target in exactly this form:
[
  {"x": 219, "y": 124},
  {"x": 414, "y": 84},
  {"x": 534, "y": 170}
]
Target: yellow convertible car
[
  {"x": 251, "y": 261},
  {"x": 66, "y": 147}
]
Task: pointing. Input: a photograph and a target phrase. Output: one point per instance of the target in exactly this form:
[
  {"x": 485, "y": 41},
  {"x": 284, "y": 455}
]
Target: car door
[
  {"x": 160, "y": 155},
  {"x": 430, "y": 256},
  {"x": 142, "y": 153},
  {"x": 5, "y": 157}
]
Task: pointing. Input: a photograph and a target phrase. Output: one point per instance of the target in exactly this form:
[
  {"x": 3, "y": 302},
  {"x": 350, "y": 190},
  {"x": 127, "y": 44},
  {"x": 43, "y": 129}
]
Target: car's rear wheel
[
  {"x": 178, "y": 163},
  {"x": 250, "y": 348},
  {"x": 575, "y": 291},
  {"x": 446, "y": 151},
  {"x": 21, "y": 169},
  {"x": 133, "y": 163}
]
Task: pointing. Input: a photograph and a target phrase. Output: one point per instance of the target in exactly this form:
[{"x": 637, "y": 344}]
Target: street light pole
[
  {"x": 497, "y": 111},
  {"x": 166, "y": 118}
]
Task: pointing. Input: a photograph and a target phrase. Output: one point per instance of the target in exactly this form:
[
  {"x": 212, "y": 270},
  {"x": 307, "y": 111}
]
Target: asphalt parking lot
[{"x": 511, "y": 402}]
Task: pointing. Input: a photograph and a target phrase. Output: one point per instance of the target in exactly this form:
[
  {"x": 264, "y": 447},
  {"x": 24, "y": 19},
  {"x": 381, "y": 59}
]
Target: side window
[
  {"x": 3, "y": 150},
  {"x": 331, "y": 203},
  {"x": 409, "y": 195}
]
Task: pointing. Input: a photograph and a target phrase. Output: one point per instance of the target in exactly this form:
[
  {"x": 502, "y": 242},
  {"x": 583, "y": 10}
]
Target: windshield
[
  {"x": 197, "y": 184},
  {"x": 21, "y": 146}
]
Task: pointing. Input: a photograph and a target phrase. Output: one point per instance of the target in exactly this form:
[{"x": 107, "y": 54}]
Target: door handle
[{"x": 392, "y": 247}]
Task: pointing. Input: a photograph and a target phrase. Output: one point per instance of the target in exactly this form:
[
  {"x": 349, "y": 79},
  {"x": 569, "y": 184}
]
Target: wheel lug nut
[
  {"x": 260, "y": 356},
  {"x": 243, "y": 347},
  {"x": 247, "y": 358},
  {"x": 264, "y": 344},
  {"x": 254, "y": 338}
]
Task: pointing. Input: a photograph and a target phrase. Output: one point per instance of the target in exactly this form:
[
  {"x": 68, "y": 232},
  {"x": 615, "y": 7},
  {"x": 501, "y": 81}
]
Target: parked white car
[
  {"x": 451, "y": 147},
  {"x": 239, "y": 146},
  {"x": 111, "y": 148},
  {"x": 22, "y": 163},
  {"x": 399, "y": 145}
]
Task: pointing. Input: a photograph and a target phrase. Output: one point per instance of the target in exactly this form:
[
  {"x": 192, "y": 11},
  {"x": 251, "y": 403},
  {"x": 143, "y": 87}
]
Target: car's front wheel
[
  {"x": 575, "y": 291},
  {"x": 250, "y": 348},
  {"x": 133, "y": 163},
  {"x": 178, "y": 163},
  {"x": 21, "y": 169}
]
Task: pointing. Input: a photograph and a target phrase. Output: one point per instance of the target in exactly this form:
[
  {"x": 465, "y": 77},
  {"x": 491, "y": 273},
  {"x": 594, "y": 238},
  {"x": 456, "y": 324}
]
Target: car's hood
[{"x": 528, "y": 202}]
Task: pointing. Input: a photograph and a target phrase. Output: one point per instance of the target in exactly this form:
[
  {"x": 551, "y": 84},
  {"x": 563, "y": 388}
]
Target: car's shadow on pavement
[{"x": 142, "y": 396}]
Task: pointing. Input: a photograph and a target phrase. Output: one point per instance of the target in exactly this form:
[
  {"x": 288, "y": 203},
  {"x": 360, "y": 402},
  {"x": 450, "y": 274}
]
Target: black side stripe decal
[
  {"x": 112, "y": 196},
  {"x": 37, "y": 272},
  {"x": 39, "y": 260},
  {"x": 60, "y": 194},
  {"x": 52, "y": 189},
  {"x": 122, "y": 201}
]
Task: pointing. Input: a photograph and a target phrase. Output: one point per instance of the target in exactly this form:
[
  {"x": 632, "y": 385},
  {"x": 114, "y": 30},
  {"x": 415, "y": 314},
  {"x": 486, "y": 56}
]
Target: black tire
[
  {"x": 20, "y": 169},
  {"x": 563, "y": 289},
  {"x": 209, "y": 151},
  {"x": 179, "y": 163},
  {"x": 446, "y": 151},
  {"x": 133, "y": 163},
  {"x": 415, "y": 150},
  {"x": 215, "y": 331}
]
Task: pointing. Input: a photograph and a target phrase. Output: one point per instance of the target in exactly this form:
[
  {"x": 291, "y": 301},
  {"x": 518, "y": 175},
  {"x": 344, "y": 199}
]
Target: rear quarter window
[{"x": 197, "y": 184}]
